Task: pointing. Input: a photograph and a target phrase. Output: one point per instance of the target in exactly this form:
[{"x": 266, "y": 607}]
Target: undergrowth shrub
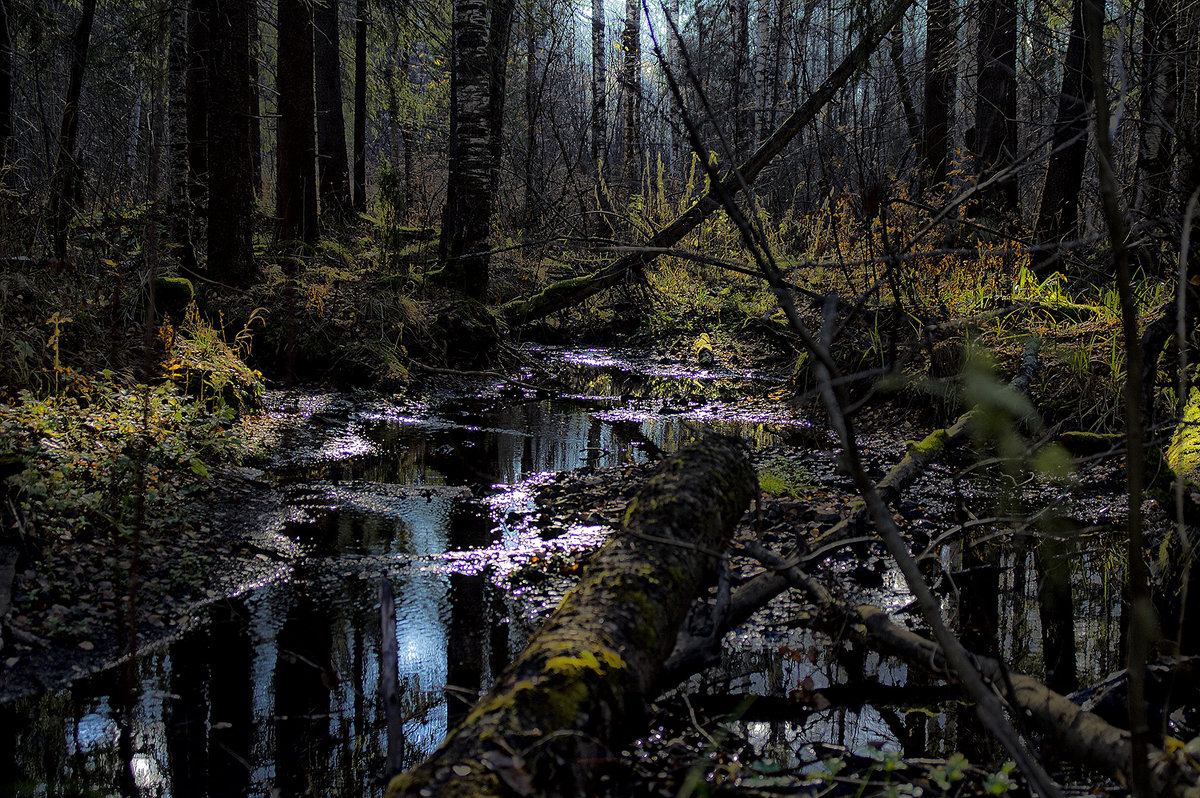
[{"x": 92, "y": 454}]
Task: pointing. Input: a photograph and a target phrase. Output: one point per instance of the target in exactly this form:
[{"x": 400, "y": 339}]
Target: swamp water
[{"x": 275, "y": 692}]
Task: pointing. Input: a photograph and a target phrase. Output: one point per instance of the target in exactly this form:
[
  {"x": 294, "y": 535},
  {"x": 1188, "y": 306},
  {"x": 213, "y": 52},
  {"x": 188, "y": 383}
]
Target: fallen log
[
  {"x": 583, "y": 683},
  {"x": 694, "y": 652},
  {"x": 568, "y": 293},
  {"x": 1080, "y": 736}
]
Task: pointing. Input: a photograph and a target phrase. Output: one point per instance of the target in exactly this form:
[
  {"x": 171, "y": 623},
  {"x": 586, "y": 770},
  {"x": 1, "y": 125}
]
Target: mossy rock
[{"x": 172, "y": 295}]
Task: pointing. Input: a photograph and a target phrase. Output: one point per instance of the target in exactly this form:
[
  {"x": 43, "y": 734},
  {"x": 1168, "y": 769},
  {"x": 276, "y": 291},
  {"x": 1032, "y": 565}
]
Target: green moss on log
[
  {"x": 1184, "y": 453},
  {"x": 594, "y": 664}
]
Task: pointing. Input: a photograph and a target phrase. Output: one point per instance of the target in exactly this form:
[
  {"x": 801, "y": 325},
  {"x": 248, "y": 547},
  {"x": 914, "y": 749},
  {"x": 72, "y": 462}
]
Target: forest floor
[{"x": 68, "y": 583}]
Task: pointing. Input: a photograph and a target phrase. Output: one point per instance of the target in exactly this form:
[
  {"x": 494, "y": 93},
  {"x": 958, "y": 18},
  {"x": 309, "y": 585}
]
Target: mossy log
[
  {"x": 582, "y": 684},
  {"x": 692, "y": 653}
]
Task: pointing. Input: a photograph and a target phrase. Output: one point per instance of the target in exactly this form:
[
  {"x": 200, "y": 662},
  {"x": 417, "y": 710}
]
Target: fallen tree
[
  {"x": 583, "y": 682},
  {"x": 693, "y": 652},
  {"x": 568, "y": 293}
]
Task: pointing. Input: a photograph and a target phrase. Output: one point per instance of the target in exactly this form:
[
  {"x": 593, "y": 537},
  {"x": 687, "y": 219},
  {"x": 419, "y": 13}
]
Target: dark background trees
[{"x": 311, "y": 103}]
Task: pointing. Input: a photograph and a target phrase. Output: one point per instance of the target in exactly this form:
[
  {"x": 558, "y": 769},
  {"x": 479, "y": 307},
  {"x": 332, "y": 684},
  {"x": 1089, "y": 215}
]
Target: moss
[
  {"x": 1184, "y": 453},
  {"x": 702, "y": 349},
  {"x": 520, "y": 309},
  {"x": 934, "y": 442},
  {"x": 173, "y": 295},
  {"x": 1081, "y": 444}
]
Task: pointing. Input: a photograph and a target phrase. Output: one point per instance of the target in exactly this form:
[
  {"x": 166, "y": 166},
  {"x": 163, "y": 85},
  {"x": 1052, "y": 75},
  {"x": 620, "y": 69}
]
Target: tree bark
[
  {"x": 996, "y": 107},
  {"x": 1158, "y": 109},
  {"x": 296, "y": 182},
  {"x": 940, "y": 58},
  {"x": 63, "y": 189},
  {"x": 600, "y": 120},
  {"x": 583, "y": 682},
  {"x": 6, "y": 80},
  {"x": 180, "y": 192},
  {"x": 197, "y": 106},
  {"x": 360, "y": 106},
  {"x": 230, "y": 217},
  {"x": 255, "y": 104},
  {"x": 480, "y": 51},
  {"x": 333, "y": 167},
  {"x": 567, "y": 293},
  {"x": 631, "y": 91},
  {"x": 1059, "y": 207}
]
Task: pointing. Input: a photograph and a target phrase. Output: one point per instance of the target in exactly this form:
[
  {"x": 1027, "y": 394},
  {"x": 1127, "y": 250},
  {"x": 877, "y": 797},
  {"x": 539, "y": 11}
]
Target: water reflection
[{"x": 276, "y": 693}]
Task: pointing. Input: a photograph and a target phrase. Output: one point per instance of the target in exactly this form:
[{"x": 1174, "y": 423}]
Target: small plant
[{"x": 782, "y": 477}]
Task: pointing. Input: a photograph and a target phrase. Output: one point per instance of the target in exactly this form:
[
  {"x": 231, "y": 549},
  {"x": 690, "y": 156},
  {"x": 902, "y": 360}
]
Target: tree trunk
[
  {"x": 631, "y": 90},
  {"x": 1059, "y": 207},
  {"x": 480, "y": 52},
  {"x": 571, "y": 292},
  {"x": 500, "y": 15},
  {"x": 741, "y": 92},
  {"x": 296, "y": 183},
  {"x": 179, "y": 191},
  {"x": 360, "y": 106},
  {"x": 896, "y": 54},
  {"x": 600, "y": 119},
  {"x": 197, "y": 106},
  {"x": 585, "y": 679},
  {"x": 1158, "y": 108},
  {"x": 230, "y": 217},
  {"x": 940, "y": 57},
  {"x": 256, "y": 181},
  {"x": 6, "y": 81},
  {"x": 532, "y": 111},
  {"x": 995, "y": 145},
  {"x": 63, "y": 189},
  {"x": 333, "y": 167}
]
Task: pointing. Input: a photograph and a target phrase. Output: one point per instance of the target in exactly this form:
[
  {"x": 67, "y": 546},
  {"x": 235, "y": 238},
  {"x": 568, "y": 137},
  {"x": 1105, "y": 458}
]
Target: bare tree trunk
[
  {"x": 296, "y": 182},
  {"x": 1059, "y": 207},
  {"x": 333, "y": 168},
  {"x": 231, "y": 217},
  {"x": 631, "y": 89},
  {"x": 480, "y": 49},
  {"x": 255, "y": 105},
  {"x": 940, "y": 59},
  {"x": 741, "y": 91},
  {"x": 360, "y": 106},
  {"x": 600, "y": 119},
  {"x": 63, "y": 189},
  {"x": 1160, "y": 88},
  {"x": 532, "y": 110},
  {"x": 197, "y": 108},
  {"x": 995, "y": 136},
  {"x": 180, "y": 192},
  {"x": 6, "y": 94},
  {"x": 896, "y": 54}
]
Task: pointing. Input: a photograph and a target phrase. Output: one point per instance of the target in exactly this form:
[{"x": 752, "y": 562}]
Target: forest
[{"x": 540, "y": 397}]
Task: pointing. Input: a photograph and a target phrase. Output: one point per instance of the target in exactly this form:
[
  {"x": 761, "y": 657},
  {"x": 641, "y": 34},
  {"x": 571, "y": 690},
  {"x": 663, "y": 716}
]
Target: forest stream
[{"x": 275, "y": 690}]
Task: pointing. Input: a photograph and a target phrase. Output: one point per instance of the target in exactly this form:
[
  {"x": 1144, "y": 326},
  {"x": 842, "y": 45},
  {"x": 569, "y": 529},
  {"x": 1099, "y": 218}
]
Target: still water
[{"x": 275, "y": 692}]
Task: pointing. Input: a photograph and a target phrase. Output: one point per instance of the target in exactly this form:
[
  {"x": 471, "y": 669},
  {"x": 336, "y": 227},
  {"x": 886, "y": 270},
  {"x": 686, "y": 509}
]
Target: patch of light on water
[
  {"x": 594, "y": 358},
  {"x": 350, "y": 444}
]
